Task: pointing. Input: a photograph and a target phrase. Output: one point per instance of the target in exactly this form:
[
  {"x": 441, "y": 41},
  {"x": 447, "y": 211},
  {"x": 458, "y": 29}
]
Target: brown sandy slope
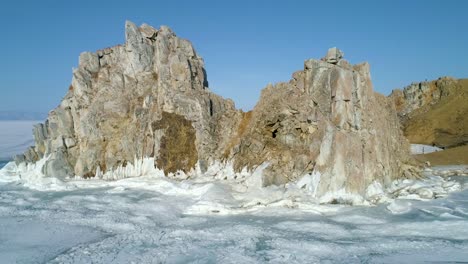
[{"x": 453, "y": 156}]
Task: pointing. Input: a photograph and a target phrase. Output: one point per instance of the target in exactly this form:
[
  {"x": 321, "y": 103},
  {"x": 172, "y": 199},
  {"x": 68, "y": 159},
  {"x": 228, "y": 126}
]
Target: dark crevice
[
  {"x": 273, "y": 133},
  {"x": 211, "y": 107},
  {"x": 205, "y": 78}
]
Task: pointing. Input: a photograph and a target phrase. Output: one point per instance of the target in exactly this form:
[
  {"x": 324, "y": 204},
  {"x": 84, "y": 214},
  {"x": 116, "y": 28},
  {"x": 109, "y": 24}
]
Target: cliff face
[
  {"x": 434, "y": 112},
  {"x": 150, "y": 98},
  {"x": 326, "y": 121},
  {"x": 147, "y": 98}
]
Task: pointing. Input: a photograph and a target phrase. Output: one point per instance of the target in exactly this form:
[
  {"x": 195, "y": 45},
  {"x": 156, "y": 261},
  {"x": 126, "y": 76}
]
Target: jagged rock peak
[
  {"x": 127, "y": 101},
  {"x": 149, "y": 98},
  {"x": 326, "y": 121}
]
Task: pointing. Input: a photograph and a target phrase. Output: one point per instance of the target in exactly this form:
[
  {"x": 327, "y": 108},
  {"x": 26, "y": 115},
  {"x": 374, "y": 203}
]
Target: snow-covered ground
[
  {"x": 15, "y": 137},
  {"x": 423, "y": 149},
  {"x": 153, "y": 219},
  {"x": 219, "y": 217}
]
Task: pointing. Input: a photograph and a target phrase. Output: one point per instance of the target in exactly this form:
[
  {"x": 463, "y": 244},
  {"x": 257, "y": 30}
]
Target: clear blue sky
[{"x": 245, "y": 44}]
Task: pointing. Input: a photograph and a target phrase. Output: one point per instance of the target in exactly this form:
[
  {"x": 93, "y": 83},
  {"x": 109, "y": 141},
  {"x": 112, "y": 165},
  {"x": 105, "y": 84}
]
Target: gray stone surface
[
  {"x": 118, "y": 94},
  {"x": 327, "y": 120},
  {"x": 334, "y": 55},
  {"x": 150, "y": 98}
]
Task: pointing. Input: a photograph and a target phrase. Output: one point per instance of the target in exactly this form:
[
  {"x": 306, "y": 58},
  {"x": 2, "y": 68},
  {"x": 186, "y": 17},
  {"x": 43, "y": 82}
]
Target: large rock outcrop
[
  {"x": 150, "y": 98},
  {"x": 147, "y": 98},
  {"x": 434, "y": 112},
  {"x": 327, "y": 121}
]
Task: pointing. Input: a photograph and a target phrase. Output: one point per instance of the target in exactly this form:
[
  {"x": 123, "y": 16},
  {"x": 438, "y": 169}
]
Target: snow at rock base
[
  {"x": 216, "y": 217},
  {"x": 136, "y": 214},
  {"x": 220, "y": 190}
]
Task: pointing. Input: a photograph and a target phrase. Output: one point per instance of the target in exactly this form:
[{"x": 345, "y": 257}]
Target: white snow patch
[
  {"x": 399, "y": 206},
  {"x": 310, "y": 182},
  {"x": 423, "y": 149},
  {"x": 220, "y": 190},
  {"x": 221, "y": 217},
  {"x": 427, "y": 188},
  {"x": 343, "y": 197},
  {"x": 376, "y": 193},
  {"x": 31, "y": 176}
]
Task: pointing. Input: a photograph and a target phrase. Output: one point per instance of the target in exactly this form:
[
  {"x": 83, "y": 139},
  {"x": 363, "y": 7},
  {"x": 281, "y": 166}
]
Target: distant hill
[
  {"x": 22, "y": 115},
  {"x": 434, "y": 112}
]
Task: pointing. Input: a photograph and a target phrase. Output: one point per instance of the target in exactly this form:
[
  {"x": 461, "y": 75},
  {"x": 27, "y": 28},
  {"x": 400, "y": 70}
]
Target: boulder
[
  {"x": 18, "y": 159},
  {"x": 89, "y": 61},
  {"x": 57, "y": 165},
  {"x": 40, "y": 134},
  {"x": 334, "y": 55},
  {"x": 148, "y": 32}
]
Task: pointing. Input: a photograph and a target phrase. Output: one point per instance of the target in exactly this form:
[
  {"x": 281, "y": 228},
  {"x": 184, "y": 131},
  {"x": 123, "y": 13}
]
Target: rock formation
[
  {"x": 150, "y": 98},
  {"x": 434, "y": 112},
  {"x": 326, "y": 120},
  {"x": 147, "y": 98}
]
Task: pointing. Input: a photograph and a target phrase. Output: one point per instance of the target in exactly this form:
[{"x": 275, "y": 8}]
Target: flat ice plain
[
  {"x": 15, "y": 137},
  {"x": 152, "y": 219}
]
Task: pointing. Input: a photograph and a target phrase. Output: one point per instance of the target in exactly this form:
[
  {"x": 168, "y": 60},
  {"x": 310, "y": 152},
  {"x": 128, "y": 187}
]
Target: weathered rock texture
[
  {"x": 150, "y": 98},
  {"x": 147, "y": 98},
  {"x": 434, "y": 112},
  {"x": 327, "y": 119}
]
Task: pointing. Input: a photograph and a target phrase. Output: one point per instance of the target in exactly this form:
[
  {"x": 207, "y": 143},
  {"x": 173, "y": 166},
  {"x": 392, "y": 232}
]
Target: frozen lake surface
[
  {"x": 153, "y": 219},
  {"x": 136, "y": 221},
  {"x": 15, "y": 138}
]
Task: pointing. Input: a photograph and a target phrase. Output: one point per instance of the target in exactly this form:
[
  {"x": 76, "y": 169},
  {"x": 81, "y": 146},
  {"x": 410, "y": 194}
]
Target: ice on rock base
[
  {"x": 31, "y": 176},
  {"x": 310, "y": 182},
  {"x": 140, "y": 167},
  {"x": 220, "y": 190}
]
